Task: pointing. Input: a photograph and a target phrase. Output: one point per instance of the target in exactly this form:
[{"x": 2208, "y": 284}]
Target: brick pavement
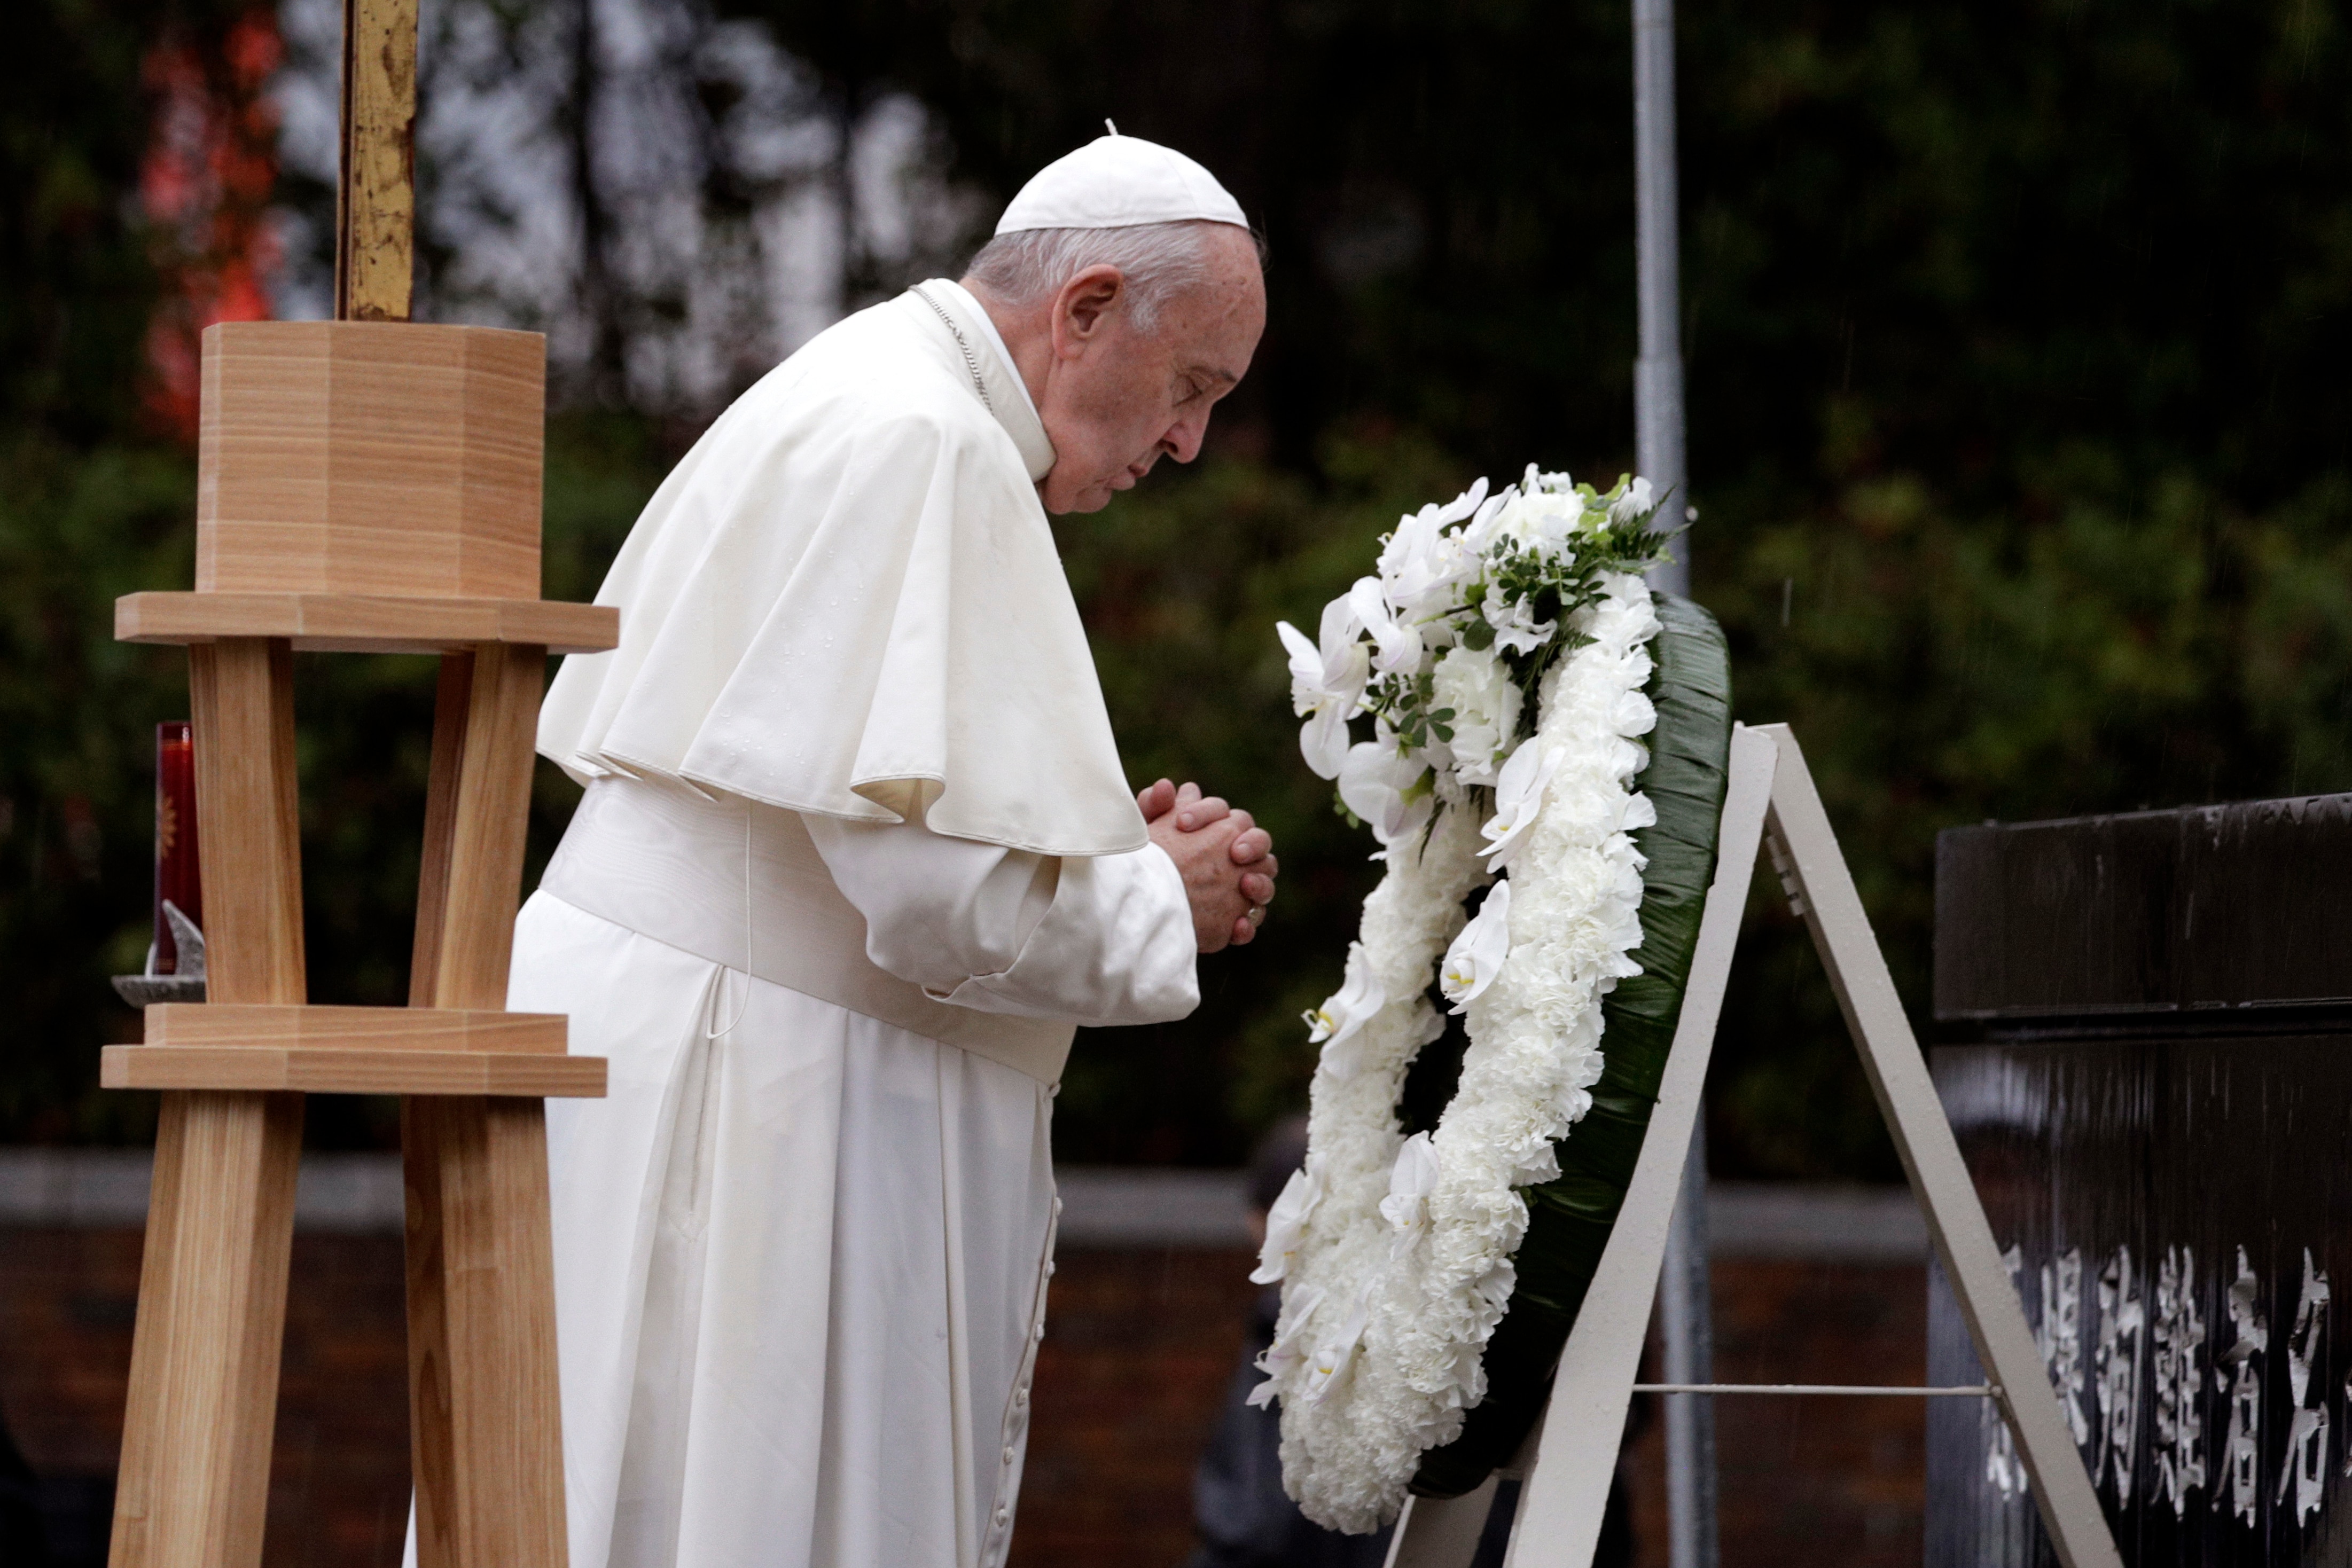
[{"x": 1139, "y": 1343}]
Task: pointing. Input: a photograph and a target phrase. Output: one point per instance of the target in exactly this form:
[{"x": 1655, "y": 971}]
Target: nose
[{"x": 1183, "y": 439}]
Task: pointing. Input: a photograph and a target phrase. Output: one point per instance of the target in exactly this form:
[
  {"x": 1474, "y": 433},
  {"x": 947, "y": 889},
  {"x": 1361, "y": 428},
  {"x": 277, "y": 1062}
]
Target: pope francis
[{"x": 856, "y": 853}]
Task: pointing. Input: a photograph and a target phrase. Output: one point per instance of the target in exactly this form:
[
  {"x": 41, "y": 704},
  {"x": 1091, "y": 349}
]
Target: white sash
[{"x": 670, "y": 865}]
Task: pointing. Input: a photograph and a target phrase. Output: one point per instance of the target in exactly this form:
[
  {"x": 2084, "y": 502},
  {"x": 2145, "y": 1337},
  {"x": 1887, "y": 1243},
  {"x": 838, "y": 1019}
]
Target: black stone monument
[{"x": 2157, "y": 1106}]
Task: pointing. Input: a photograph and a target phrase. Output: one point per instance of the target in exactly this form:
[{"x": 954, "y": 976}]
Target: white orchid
[
  {"x": 1284, "y": 1353},
  {"x": 1341, "y": 1016},
  {"x": 1423, "y": 563},
  {"x": 1462, "y": 504},
  {"x": 1519, "y": 801},
  {"x": 1478, "y": 688},
  {"x": 1411, "y": 1181},
  {"x": 1416, "y": 558},
  {"x": 1478, "y": 535},
  {"x": 1327, "y": 684},
  {"x": 1323, "y": 740},
  {"x": 1631, "y": 504},
  {"x": 1478, "y": 954},
  {"x": 1399, "y": 641},
  {"x": 1328, "y": 1371},
  {"x": 1380, "y": 781},
  {"x": 1516, "y": 630},
  {"x": 1285, "y": 1222}
]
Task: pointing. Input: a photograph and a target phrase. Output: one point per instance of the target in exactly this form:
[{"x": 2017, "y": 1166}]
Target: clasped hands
[{"x": 1225, "y": 858}]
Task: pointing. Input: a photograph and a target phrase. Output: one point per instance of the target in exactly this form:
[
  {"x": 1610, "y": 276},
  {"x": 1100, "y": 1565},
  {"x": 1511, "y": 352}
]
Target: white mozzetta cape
[{"x": 846, "y": 601}]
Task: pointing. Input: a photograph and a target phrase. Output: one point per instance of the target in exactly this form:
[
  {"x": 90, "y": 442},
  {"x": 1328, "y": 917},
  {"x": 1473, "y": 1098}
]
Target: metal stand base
[{"x": 1577, "y": 1442}]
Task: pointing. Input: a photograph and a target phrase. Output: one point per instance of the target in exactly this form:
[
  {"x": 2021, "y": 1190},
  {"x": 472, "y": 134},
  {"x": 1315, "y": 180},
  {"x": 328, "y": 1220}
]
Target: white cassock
[{"x": 855, "y": 855}]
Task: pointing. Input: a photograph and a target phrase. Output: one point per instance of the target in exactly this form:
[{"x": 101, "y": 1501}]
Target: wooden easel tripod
[
  {"x": 367, "y": 485},
  {"x": 1572, "y": 1454}
]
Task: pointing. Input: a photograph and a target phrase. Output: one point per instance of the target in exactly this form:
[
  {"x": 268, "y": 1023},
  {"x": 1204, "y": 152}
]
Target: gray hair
[{"x": 1161, "y": 261}]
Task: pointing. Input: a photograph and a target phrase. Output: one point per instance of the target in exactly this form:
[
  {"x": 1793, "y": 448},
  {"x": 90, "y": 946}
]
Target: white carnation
[
  {"x": 1486, "y": 701},
  {"x": 1547, "y": 520}
]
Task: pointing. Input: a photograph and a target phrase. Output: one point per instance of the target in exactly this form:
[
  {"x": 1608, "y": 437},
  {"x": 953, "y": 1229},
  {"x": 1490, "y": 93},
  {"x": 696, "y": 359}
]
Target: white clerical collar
[
  {"x": 1008, "y": 396},
  {"x": 964, "y": 297}
]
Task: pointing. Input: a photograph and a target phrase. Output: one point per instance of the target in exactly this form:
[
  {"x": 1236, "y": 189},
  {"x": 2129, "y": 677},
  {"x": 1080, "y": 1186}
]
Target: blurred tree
[
  {"x": 89, "y": 507},
  {"x": 676, "y": 202},
  {"x": 75, "y": 305},
  {"x": 204, "y": 187},
  {"x": 2015, "y": 426},
  {"x": 2012, "y": 336},
  {"x": 129, "y": 219},
  {"x": 1446, "y": 189}
]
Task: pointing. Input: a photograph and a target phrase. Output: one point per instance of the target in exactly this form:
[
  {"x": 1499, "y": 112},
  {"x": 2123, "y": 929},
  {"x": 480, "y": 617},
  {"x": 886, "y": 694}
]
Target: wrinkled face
[{"x": 1116, "y": 401}]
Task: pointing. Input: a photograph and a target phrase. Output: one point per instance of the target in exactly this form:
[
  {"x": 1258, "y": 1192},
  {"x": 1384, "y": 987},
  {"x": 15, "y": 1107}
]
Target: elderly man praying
[{"x": 856, "y": 854}]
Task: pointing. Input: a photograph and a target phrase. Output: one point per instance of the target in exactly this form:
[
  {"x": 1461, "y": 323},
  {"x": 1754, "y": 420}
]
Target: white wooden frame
[{"x": 1573, "y": 1455}]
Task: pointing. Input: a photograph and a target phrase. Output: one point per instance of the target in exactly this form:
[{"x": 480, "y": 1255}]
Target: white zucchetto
[{"x": 1118, "y": 181}]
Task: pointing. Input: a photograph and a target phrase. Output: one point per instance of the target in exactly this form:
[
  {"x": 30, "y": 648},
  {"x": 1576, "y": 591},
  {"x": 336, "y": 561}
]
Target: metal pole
[
  {"x": 1685, "y": 1300},
  {"x": 1658, "y": 373}
]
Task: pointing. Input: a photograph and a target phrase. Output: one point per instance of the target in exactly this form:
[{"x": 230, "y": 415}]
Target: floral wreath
[{"x": 1502, "y": 652}]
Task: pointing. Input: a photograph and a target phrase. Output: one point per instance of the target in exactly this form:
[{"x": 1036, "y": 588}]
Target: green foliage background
[{"x": 2019, "y": 432}]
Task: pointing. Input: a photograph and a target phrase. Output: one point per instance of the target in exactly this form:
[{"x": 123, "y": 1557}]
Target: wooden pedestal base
[
  {"x": 369, "y": 486},
  {"x": 483, "y": 1406},
  {"x": 484, "y": 1413},
  {"x": 194, "y": 1485}
]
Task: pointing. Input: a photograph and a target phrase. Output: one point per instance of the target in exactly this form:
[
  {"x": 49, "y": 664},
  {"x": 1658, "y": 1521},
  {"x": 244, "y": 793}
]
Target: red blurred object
[
  {"x": 204, "y": 188},
  {"x": 177, "y": 876}
]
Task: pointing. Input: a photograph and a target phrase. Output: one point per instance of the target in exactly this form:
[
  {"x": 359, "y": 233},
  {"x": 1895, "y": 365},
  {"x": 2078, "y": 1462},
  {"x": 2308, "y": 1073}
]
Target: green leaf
[{"x": 1569, "y": 1218}]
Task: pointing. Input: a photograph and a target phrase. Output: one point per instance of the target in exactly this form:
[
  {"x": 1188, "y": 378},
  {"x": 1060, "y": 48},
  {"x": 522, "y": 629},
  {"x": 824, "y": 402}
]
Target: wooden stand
[
  {"x": 1571, "y": 1456},
  {"x": 371, "y": 485}
]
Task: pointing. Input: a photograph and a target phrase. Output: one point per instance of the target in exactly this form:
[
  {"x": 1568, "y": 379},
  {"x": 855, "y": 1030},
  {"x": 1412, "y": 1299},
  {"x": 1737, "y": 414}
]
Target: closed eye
[{"x": 1203, "y": 380}]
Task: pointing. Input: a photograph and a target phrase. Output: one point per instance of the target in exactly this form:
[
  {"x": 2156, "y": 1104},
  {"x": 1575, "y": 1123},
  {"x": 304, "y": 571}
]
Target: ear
[{"x": 1082, "y": 306}]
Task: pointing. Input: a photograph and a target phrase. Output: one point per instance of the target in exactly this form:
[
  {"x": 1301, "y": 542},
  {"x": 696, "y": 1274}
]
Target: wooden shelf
[
  {"x": 333, "y": 1069},
  {"x": 286, "y": 1026},
  {"x": 367, "y": 623},
  {"x": 352, "y": 1051}
]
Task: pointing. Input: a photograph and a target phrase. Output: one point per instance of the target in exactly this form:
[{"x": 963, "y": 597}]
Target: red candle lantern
[{"x": 178, "y": 878}]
